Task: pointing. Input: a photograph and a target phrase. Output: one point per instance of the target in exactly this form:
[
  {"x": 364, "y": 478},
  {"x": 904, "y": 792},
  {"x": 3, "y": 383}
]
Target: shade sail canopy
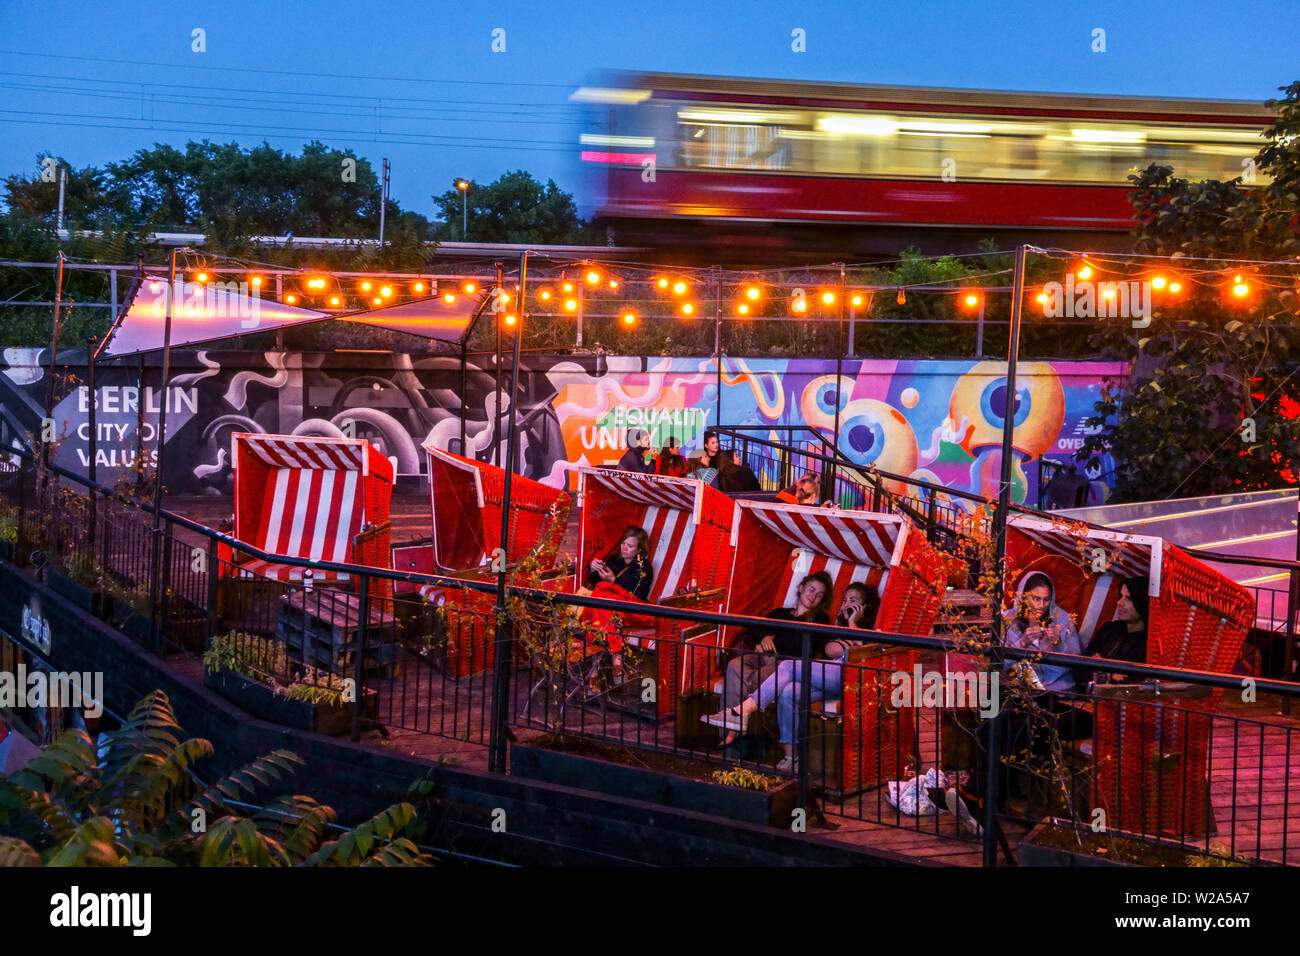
[
  {"x": 209, "y": 311},
  {"x": 431, "y": 318},
  {"x": 202, "y": 312}
]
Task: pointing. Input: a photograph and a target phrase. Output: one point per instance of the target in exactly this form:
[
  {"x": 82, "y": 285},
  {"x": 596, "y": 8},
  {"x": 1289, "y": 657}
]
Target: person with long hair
[
  {"x": 826, "y": 678},
  {"x": 624, "y": 574},
  {"x": 671, "y": 461},
  {"x": 1125, "y": 638},
  {"x": 1037, "y": 623},
  {"x": 759, "y": 651}
]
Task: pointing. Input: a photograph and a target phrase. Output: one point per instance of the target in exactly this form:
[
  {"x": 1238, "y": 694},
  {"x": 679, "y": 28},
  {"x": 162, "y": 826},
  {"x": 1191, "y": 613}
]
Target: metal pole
[
  {"x": 717, "y": 342},
  {"x": 383, "y": 202},
  {"x": 464, "y": 214},
  {"x": 496, "y": 423},
  {"x": 582, "y": 306},
  {"x": 1000, "y": 552},
  {"x": 805, "y": 707},
  {"x": 359, "y": 663},
  {"x": 839, "y": 383},
  {"x": 979, "y": 331},
  {"x": 54, "y": 354},
  {"x": 159, "y": 458},
  {"x": 93, "y": 442},
  {"x": 63, "y": 184},
  {"x": 1293, "y": 598},
  {"x": 464, "y": 385},
  {"x": 501, "y": 660}
]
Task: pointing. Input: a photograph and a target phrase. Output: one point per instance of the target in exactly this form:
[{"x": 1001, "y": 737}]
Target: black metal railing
[{"x": 400, "y": 663}]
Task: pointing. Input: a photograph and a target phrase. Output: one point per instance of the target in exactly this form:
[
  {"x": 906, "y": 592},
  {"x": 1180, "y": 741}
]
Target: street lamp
[{"x": 463, "y": 186}]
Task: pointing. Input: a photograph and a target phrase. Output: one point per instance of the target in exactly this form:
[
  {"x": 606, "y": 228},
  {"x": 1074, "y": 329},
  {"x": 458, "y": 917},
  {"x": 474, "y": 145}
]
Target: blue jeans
[{"x": 826, "y": 683}]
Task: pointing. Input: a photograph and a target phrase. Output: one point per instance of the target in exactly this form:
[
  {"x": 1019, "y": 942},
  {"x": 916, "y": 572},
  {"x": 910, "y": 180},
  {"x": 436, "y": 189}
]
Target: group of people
[
  {"x": 715, "y": 465},
  {"x": 766, "y": 669}
]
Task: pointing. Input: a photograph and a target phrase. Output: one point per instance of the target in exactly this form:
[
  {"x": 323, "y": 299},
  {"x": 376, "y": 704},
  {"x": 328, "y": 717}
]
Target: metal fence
[{"x": 458, "y": 663}]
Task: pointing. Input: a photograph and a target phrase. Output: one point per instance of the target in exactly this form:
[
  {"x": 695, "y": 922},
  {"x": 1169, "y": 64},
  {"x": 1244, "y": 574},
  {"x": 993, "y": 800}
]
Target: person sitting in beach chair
[{"x": 857, "y": 610}]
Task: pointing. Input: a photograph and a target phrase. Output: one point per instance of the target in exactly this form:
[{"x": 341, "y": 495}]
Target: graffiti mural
[{"x": 934, "y": 420}]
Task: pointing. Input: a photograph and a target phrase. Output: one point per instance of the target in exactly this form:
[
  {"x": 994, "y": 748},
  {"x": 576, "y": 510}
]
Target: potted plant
[
  {"x": 79, "y": 579},
  {"x": 669, "y": 779},
  {"x": 8, "y": 535},
  {"x": 127, "y": 607},
  {"x": 1063, "y": 842},
  {"x": 255, "y": 673}
]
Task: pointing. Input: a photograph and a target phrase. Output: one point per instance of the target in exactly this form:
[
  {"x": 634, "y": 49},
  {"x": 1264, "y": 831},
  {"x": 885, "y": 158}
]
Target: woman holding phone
[{"x": 1037, "y": 623}]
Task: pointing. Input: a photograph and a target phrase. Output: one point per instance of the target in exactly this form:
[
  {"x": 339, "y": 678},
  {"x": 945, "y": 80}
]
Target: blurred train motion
[{"x": 755, "y": 169}]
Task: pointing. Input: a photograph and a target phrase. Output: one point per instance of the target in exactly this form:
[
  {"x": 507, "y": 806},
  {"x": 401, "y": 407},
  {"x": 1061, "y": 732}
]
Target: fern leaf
[{"x": 92, "y": 844}]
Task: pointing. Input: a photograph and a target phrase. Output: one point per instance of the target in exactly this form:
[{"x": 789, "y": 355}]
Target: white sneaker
[{"x": 726, "y": 719}]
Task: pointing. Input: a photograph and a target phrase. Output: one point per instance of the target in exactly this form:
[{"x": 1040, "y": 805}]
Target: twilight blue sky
[{"x": 419, "y": 83}]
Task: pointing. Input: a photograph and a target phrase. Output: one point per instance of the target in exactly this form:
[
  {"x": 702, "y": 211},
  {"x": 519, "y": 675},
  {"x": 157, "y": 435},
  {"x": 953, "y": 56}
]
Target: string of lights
[{"x": 630, "y": 291}]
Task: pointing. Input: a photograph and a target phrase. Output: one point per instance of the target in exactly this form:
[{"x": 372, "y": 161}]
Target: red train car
[{"x": 819, "y": 167}]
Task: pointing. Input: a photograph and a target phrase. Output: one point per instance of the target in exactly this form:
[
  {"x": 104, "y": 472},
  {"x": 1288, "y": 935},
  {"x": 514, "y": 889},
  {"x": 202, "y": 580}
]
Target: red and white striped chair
[
  {"x": 689, "y": 525},
  {"x": 466, "y": 506},
  {"x": 322, "y": 499},
  {"x": 775, "y": 546},
  {"x": 1151, "y": 760}
]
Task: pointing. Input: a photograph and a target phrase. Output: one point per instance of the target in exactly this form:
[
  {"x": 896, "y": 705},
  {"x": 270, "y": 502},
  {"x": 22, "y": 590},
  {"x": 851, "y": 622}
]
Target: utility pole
[
  {"x": 463, "y": 186},
  {"x": 63, "y": 184},
  {"x": 383, "y": 202}
]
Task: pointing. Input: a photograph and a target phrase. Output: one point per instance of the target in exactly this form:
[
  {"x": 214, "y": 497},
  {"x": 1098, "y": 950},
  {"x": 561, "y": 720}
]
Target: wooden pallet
[{"x": 321, "y": 629}]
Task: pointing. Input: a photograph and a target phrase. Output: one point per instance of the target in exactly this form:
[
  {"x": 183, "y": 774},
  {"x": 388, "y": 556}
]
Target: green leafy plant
[
  {"x": 82, "y": 569},
  {"x": 315, "y": 694},
  {"x": 1218, "y": 856},
  {"x": 140, "y": 803},
  {"x": 1210, "y": 404},
  {"x": 260, "y": 658},
  {"x": 9, "y": 527},
  {"x": 744, "y": 779}
]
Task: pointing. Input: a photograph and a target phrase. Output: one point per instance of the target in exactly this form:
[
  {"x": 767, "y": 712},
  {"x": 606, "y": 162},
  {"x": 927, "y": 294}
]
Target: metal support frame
[
  {"x": 501, "y": 662},
  {"x": 990, "y": 822}
]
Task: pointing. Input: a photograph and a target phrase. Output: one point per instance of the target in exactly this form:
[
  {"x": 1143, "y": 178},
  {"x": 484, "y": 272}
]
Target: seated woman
[
  {"x": 625, "y": 574},
  {"x": 671, "y": 462},
  {"x": 1037, "y": 623},
  {"x": 802, "y": 492},
  {"x": 857, "y": 610},
  {"x": 719, "y": 467},
  {"x": 758, "y": 657},
  {"x": 637, "y": 457}
]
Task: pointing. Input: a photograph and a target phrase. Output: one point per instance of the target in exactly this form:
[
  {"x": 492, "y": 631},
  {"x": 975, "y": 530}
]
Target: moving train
[{"x": 763, "y": 165}]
